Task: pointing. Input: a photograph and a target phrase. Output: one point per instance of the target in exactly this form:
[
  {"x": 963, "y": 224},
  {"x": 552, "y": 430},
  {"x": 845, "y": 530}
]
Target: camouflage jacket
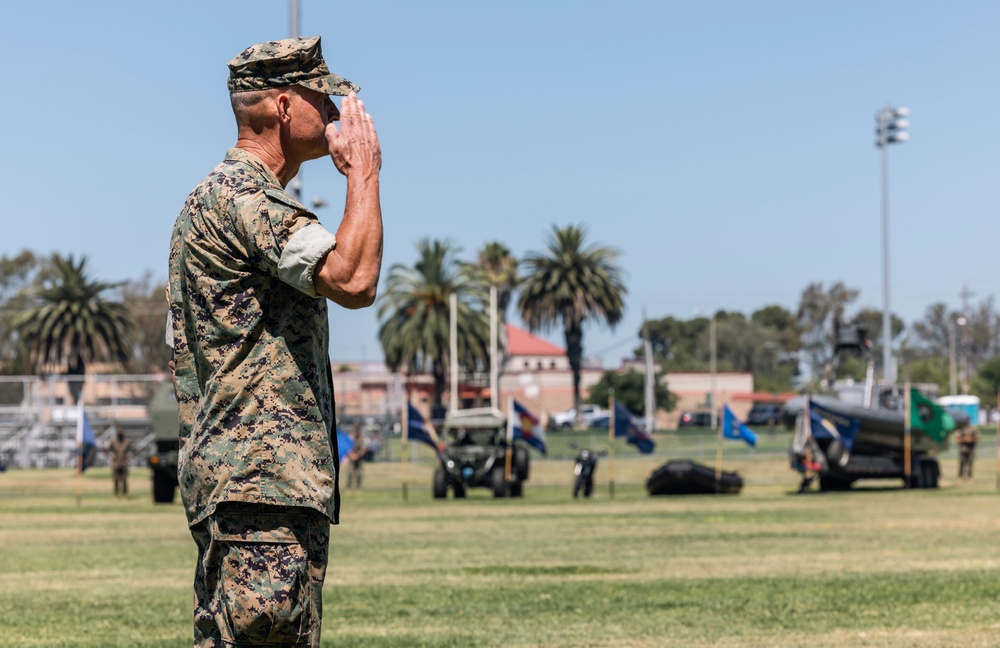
[
  {"x": 250, "y": 339},
  {"x": 119, "y": 451}
]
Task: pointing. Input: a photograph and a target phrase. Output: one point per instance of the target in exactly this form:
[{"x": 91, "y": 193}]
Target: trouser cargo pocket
[{"x": 269, "y": 565}]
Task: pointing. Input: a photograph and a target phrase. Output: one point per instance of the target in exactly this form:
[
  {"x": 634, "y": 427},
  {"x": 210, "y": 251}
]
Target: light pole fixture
[{"x": 890, "y": 128}]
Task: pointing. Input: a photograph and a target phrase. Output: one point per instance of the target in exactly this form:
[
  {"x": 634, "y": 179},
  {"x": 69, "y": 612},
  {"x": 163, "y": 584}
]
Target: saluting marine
[{"x": 250, "y": 273}]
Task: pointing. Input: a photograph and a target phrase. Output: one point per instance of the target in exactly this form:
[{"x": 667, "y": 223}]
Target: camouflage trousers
[
  {"x": 120, "y": 476},
  {"x": 259, "y": 579},
  {"x": 966, "y": 454}
]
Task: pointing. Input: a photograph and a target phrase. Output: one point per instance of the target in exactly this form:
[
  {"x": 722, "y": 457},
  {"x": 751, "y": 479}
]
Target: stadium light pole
[{"x": 890, "y": 128}]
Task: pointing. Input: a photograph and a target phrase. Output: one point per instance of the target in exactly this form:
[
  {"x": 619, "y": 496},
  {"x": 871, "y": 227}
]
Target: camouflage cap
[{"x": 293, "y": 61}]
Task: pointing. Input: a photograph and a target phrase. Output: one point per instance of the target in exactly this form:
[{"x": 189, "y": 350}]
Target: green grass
[{"x": 878, "y": 567}]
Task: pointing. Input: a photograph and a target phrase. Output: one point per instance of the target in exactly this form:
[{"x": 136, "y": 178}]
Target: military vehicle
[
  {"x": 876, "y": 446},
  {"x": 475, "y": 455},
  {"x": 163, "y": 462},
  {"x": 878, "y": 450}
]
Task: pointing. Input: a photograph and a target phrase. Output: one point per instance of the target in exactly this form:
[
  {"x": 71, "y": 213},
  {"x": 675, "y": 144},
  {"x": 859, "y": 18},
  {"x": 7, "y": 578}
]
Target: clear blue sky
[{"x": 725, "y": 148}]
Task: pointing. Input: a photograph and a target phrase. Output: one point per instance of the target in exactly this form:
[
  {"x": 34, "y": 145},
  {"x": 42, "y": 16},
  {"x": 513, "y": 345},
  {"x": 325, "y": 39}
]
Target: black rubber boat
[{"x": 686, "y": 477}]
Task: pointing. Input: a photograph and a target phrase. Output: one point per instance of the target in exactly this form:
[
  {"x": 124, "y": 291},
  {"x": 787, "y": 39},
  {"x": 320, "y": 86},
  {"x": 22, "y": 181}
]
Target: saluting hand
[{"x": 355, "y": 148}]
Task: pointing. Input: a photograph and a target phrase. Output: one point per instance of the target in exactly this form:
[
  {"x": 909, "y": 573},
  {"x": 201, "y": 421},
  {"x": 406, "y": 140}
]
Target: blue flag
[
  {"x": 86, "y": 442},
  {"x": 733, "y": 428},
  {"x": 627, "y": 425},
  {"x": 418, "y": 430},
  {"x": 344, "y": 444},
  {"x": 528, "y": 427},
  {"x": 846, "y": 427}
]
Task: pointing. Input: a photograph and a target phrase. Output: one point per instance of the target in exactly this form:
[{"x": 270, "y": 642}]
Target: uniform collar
[{"x": 242, "y": 155}]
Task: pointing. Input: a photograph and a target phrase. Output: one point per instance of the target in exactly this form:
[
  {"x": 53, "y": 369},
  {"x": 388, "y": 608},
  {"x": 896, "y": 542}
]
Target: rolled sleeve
[{"x": 304, "y": 249}]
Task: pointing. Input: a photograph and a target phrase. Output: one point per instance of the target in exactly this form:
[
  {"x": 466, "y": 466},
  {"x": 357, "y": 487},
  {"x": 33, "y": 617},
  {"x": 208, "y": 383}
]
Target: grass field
[{"x": 879, "y": 566}]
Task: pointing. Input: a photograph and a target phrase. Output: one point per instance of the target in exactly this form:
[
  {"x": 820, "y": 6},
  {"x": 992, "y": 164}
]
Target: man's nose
[{"x": 332, "y": 109}]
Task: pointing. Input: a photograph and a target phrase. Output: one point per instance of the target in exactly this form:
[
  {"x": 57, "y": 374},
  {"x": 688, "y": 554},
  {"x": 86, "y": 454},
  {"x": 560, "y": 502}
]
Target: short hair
[{"x": 242, "y": 102}]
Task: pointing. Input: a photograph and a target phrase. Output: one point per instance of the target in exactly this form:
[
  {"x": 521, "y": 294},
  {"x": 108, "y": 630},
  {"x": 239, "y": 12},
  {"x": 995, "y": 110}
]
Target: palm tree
[
  {"x": 71, "y": 324},
  {"x": 571, "y": 284},
  {"x": 415, "y": 315},
  {"x": 496, "y": 266}
]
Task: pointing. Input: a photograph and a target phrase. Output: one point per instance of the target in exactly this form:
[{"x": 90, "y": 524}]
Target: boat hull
[
  {"x": 881, "y": 429},
  {"x": 685, "y": 477}
]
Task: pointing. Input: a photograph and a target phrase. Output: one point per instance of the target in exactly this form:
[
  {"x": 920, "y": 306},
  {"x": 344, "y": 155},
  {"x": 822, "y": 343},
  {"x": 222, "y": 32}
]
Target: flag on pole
[
  {"x": 86, "y": 442},
  {"x": 419, "y": 430},
  {"x": 527, "y": 426},
  {"x": 344, "y": 444},
  {"x": 845, "y": 427},
  {"x": 627, "y": 425},
  {"x": 733, "y": 428},
  {"x": 929, "y": 417}
]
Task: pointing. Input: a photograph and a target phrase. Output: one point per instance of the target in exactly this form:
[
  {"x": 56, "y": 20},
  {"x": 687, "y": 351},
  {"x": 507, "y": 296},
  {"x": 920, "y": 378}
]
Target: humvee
[{"x": 475, "y": 455}]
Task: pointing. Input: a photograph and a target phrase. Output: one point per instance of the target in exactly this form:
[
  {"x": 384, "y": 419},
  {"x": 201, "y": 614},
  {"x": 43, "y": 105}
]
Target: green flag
[{"x": 929, "y": 417}]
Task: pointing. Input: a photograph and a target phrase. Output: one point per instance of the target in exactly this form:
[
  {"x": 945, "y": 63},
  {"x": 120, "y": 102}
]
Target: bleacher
[{"x": 38, "y": 418}]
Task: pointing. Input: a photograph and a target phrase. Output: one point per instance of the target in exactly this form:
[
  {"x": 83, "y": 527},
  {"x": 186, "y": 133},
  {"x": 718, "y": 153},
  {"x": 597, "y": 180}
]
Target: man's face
[{"x": 313, "y": 111}]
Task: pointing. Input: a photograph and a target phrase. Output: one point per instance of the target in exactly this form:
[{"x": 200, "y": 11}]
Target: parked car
[
  {"x": 695, "y": 419},
  {"x": 764, "y": 414},
  {"x": 589, "y": 412}
]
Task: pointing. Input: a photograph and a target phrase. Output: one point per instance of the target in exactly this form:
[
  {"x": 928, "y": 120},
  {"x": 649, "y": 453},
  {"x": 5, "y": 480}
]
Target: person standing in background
[
  {"x": 967, "y": 437},
  {"x": 119, "y": 450}
]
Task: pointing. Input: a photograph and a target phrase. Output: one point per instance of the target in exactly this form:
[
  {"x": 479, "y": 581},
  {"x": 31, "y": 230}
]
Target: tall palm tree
[
  {"x": 71, "y": 324},
  {"x": 571, "y": 284},
  {"x": 415, "y": 315},
  {"x": 496, "y": 266}
]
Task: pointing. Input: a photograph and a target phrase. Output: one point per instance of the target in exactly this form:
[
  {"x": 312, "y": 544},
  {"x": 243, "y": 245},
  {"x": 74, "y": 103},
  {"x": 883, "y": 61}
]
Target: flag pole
[
  {"x": 718, "y": 458},
  {"x": 998, "y": 439},
  {"x": 79, "y": 473},
  {"x": 510, "y": 442},
  {"x": 453, "y": 352},
  {"x": 494, "y": 353},
  {"x": 611, "y": 441},
  {"x": 79, "y": 451},
  {"x": 712, "y": 352},
  {"x": 406, "y": 438},
  {"x": 906, "y": 434},
  {"x": 807, "y": 453}
]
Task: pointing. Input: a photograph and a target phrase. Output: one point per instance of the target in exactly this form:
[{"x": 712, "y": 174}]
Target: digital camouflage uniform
[
  {"x": 967, "y": 437},
  {"x": 258, "y": 458},
  {"x": 355, "y": 461},
  {"x": 119, "y": 449}
]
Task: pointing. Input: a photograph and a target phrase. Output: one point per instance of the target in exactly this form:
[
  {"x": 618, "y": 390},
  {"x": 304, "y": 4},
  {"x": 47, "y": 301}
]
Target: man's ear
[{"x": 283, "y": 105}]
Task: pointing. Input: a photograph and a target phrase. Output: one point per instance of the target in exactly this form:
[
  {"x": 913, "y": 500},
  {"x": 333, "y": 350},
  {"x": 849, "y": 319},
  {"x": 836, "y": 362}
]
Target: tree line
[
  {"x": 790, "y": 350},
  {"x": 54, "y": 317},
  {"x": 565, "y": 285}
]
